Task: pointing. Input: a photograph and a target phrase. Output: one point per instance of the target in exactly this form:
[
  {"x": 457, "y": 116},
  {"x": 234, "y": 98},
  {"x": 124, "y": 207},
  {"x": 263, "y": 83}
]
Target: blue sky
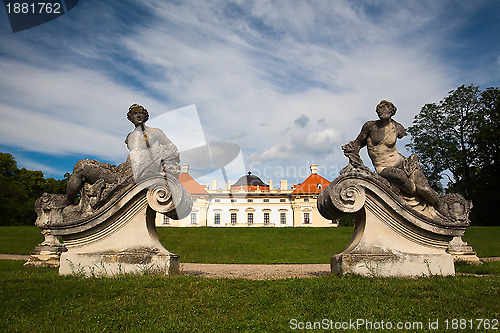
[{"x": 287, "y": 81}]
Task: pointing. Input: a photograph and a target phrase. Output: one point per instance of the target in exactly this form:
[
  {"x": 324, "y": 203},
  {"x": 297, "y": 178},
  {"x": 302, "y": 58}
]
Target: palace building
[{"x": 250, "y": 202}]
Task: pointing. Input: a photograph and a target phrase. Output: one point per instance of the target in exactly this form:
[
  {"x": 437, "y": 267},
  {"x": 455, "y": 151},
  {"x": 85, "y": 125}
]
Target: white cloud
[
  {"x": 251, "y": 68},
  {"x": 33, "y": 131}
]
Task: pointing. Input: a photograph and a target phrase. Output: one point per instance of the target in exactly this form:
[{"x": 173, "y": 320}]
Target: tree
[
  {"x": 19, "y": 188},
  {"x": 458, "y": 139}
]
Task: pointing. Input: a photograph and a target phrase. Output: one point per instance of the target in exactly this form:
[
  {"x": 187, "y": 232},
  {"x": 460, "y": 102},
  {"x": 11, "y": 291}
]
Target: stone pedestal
[
  {"x": 117, "y": 238},
  {"x": 46, "y": 254},
  {"x": 392, "y": 265},
  {"x": 461, "y": 251},
  {"x": 391, "y": 238},
  {"x": 126, "y": 241}
]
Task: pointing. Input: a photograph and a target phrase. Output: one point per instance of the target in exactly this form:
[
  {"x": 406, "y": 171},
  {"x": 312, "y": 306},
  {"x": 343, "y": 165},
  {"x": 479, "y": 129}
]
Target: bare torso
[{"x": 381, "y": 144}]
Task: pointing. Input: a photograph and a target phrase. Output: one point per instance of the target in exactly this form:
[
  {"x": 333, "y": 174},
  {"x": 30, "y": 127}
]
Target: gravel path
[
  {"x": 13, "y": 256},
  {"x": 255, "y": 272},
  {"x": 251, "y": 272}
]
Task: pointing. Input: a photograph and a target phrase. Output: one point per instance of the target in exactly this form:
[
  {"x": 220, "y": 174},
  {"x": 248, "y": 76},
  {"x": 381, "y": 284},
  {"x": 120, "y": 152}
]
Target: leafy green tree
[
  {"x": 458, "y": 139},
  {"x": 19, "y": 188}
]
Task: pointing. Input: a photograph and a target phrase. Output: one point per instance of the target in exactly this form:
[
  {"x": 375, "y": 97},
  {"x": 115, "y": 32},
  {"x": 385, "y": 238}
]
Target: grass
[
  {"x": 484, "y": 240},
  {"x": 19, "y": 240},
  {"x": 488, "y": 267},
  {"x": 255, "y": 245},
  {"x": 251, "y": 245},
  {"x": 38, "y": 300}
]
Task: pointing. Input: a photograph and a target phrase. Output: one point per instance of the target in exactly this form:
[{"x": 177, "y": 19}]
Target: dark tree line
[
  {"x": 459, "y": 139},
  {"x": 19, "y": 188}
]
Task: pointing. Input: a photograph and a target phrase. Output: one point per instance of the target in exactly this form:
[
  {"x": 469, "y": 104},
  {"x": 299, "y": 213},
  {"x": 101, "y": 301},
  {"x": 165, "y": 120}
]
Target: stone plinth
[
  {"x": 393, "y": 237},
  {"x": 461, "y": 251},
  {"x": 45, "y": 255}
]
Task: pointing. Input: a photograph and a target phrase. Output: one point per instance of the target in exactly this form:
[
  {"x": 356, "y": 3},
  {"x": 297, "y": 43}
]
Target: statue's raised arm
[{"x": 380, "y": 137}]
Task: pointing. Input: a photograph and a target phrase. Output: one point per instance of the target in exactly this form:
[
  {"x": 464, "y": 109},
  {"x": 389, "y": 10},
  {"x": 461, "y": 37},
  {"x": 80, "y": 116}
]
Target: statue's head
[
  {"x": 386, "y": 105},
  {"x": 137, "y": 114}
]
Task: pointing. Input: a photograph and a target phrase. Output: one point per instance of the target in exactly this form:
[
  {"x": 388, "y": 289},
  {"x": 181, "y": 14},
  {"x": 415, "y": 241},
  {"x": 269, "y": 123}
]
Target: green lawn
[
  {"x": 19, "y": 240},
  {"x": 39, "y": 300},
  {"x": 484, "y": 240},
  {"x": 251, "y": 245},
  {"x": 255, "y": 245}
]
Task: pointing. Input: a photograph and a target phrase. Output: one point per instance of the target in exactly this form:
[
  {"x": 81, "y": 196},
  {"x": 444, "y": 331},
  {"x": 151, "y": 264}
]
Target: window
[
  {"x": 266, "y": 200},
  {"x": 217, "y": 218},
  {"x": 266, "y": 218},
  {"x": 283, "y": 218},
  {"x": 193, "y": 218},
  {"x": 249, "y": 200},
  {"x": 319, "y": 186},
  {"x": 306, "y": 218},
  {"x": 217, "y": 200},
  {"x": 233, "y": 218},
  {"x": 282, "y": 200},
  {"x": 166, "y": 220},
  {"x": 233, "y": 200},
  {"x": 306, "y": 199},
  {"x": 250, "y": 218}
]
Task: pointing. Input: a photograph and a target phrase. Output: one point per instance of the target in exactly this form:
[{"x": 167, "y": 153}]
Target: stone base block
[
  {"x": 45, "y": 256},
  {"x": 461, "y": 251},
  {"x": 393, "y": 265},
  {"x": 116, "y": 263}
]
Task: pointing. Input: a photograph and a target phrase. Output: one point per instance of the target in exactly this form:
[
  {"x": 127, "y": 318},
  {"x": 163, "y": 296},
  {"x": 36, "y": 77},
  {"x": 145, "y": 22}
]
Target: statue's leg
[
  {"x": 89, "y": 171},
  {"x": 75, "y": 182},
  {"x": 399, "y": 177},
  {"x": 424, "y": 189}
]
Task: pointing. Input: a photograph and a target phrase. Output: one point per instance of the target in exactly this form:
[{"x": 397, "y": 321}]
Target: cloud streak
[{"x": 288, "y": 81}]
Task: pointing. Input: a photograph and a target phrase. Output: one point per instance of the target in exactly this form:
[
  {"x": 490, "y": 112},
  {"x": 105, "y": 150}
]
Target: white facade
[{"x": 253, "y": 206}]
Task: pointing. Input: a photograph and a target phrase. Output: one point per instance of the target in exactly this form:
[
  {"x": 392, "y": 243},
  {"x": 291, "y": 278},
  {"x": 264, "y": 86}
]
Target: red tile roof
[
  {"x": 310, "y": 185},
  {"x": 191, "y": 185}
]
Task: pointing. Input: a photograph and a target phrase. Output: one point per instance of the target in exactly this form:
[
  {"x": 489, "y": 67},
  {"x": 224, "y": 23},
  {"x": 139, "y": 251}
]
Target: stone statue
[
  {"x": 402, "y": 226},
  {"x": 151, "y": 154},
  {"x": 380, "y": 136},
  {"x": 112, "y": 223}
]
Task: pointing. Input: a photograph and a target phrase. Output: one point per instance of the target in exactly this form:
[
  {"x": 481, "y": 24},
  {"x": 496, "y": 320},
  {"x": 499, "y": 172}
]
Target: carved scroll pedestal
[
  {"x": 391, "y": 238},
  {"x": 120, "y": 237},
  {"x": 126, "y": 243}
]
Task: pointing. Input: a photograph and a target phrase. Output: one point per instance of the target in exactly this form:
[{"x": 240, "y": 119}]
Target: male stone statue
[
  {"x": 403, "y": 227},
  {"x": 380, "y": 136}
]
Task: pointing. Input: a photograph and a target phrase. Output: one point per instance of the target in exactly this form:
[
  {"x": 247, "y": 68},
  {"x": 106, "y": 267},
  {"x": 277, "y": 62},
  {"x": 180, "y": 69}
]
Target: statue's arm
[
  {"x": 162, "y": 138},
  {"x": 126, "y": 141},
  {"x": 401, "y": 131},
  {"x": 351, "y": 149}
]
